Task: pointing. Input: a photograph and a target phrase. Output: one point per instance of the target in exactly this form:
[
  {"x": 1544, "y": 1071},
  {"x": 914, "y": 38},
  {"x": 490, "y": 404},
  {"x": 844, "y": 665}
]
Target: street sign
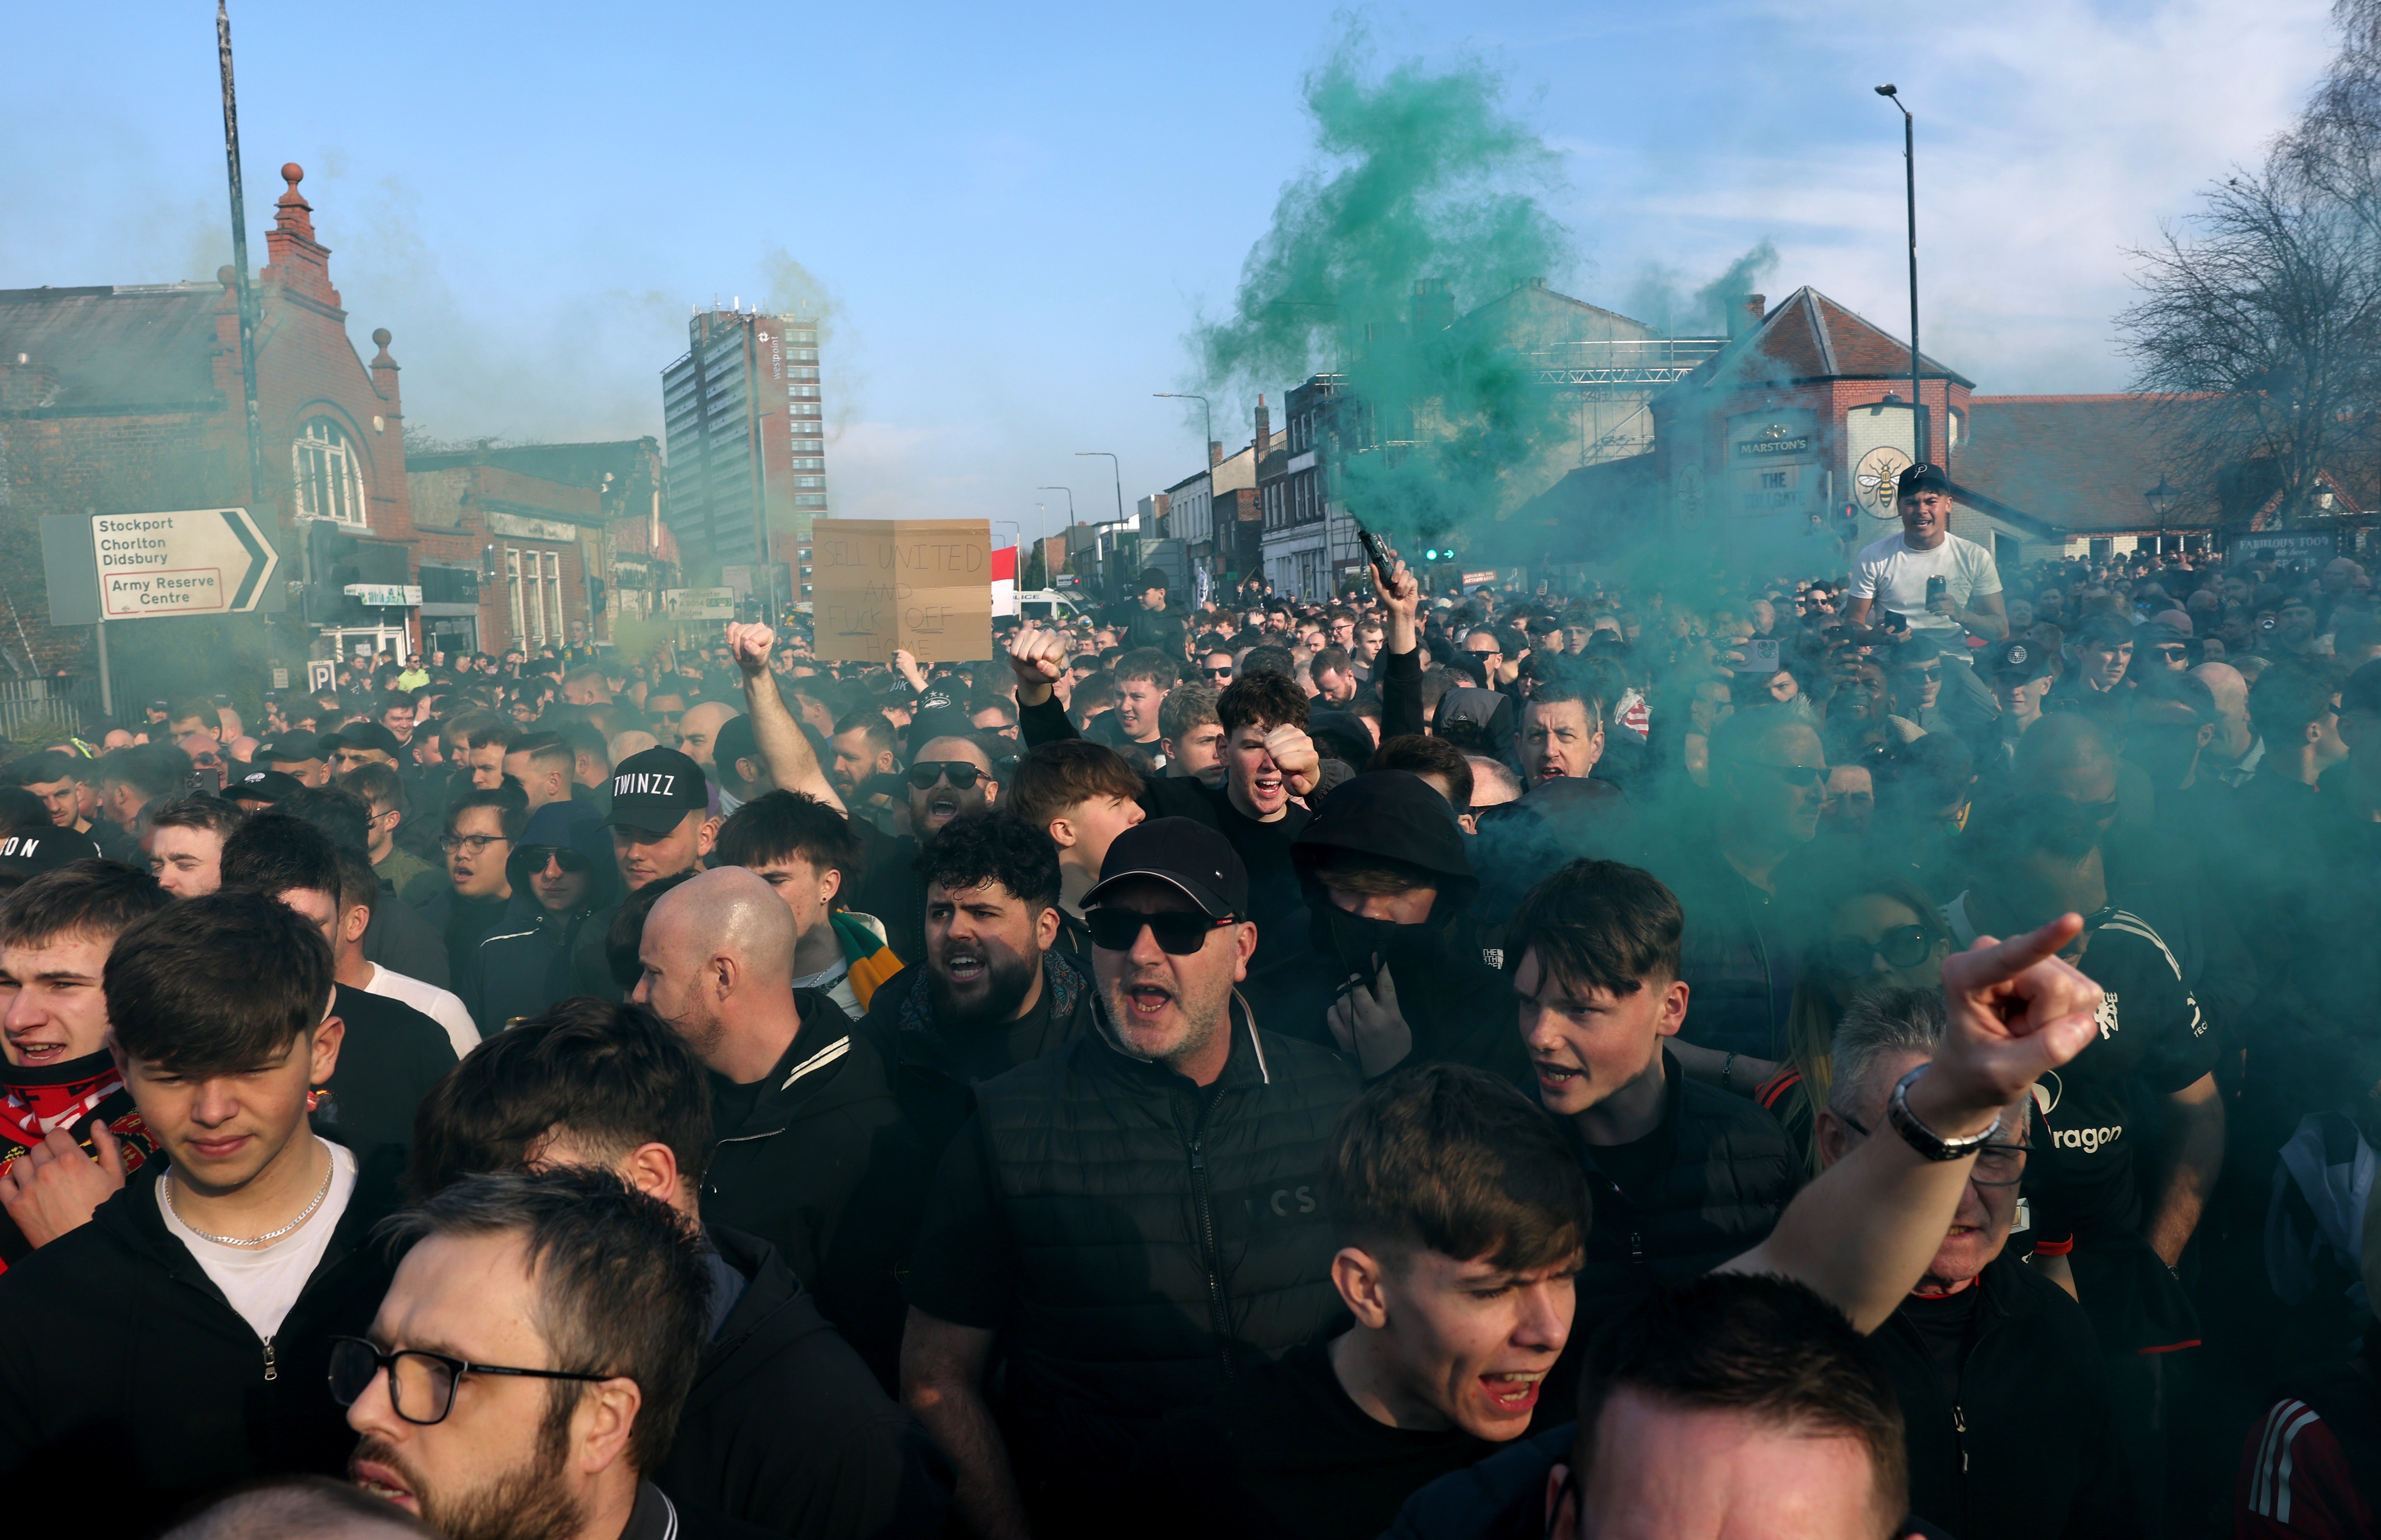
[
  {"x": 387, "y": 596},
  {"x": 700, "y": 603},
  {"x": 196, "y": 561}
]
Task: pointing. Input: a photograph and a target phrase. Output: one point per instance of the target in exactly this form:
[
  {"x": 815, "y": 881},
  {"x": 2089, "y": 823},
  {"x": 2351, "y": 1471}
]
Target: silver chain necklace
[{"x": 252, "y": 1241}]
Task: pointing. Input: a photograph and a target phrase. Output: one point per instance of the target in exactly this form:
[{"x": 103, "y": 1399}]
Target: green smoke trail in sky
[{"x": 1427, "y": 198}]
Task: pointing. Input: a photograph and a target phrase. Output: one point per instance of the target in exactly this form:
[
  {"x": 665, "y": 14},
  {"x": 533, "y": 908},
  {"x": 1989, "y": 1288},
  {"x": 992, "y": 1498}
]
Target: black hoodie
[
  {"x": 786, "y": 1428},
  {"x": 1459, "y": 1008},
  {"x": 129, "y": 1386}
]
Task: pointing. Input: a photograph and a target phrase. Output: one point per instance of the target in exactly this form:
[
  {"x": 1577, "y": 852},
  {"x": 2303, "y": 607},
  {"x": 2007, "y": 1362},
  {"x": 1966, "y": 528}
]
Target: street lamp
[
  {"x": 1116, "y": 466},
  {"x": 2162, "y": 499},
  {"x": 1203, "y": 406},
  {"x": 1910, "y": 170},
  {"x": 1070, "y": 499}
]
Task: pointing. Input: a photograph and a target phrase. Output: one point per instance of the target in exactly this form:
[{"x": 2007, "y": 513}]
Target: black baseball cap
[
  {"x": 2020, "y": 655},
  {"x": 263, "y": 785},
  {"x": 1915, "y": 650},
  {"x": 654, "y": 790},
  {"x": 290, "y": 749},
  {"x": 1183, "y": 852},
  {"x": 1922, "y": 477},
  {"x": 363, "y": 734},
  {"x": 2362, "y": 690}
]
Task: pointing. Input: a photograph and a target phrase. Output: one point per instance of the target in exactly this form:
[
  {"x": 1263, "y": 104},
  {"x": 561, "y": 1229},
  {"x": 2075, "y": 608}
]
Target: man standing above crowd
[{"x": 1945, "y": 585}]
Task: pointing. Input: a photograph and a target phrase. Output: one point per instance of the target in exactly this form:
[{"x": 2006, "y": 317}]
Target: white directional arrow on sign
[{"x": 196, "y": 561}]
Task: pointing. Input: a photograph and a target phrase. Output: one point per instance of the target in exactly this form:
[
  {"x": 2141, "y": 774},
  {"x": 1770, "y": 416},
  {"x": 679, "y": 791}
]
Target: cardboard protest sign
[{"x": 924, "y": 584}]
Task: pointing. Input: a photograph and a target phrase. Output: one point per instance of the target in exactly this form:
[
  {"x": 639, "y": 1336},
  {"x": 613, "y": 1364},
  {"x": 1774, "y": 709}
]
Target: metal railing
[{"x": 42, "y": 705}]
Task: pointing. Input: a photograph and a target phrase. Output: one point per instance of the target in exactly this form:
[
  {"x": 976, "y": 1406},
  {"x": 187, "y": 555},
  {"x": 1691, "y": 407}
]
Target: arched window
[{"x": 330, "y": 482}]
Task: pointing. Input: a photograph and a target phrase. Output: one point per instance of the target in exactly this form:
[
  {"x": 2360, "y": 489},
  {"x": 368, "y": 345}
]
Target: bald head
[
  {"x": 699, "y": 730},
  {"x": 2223, "y": 682},
  {"x": 728, "y": 913},
  {"x": 2067, "y": 754}
]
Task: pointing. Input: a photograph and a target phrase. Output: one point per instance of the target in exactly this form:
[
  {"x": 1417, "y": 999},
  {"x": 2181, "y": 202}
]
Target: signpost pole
[{"x": 106, "y": 687}]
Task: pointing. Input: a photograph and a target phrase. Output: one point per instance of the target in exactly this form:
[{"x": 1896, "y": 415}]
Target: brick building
[{"x": 129, "y": 399}]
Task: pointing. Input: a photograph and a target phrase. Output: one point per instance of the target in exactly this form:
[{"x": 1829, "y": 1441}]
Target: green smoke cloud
[{"x": 1421, "y": 177}]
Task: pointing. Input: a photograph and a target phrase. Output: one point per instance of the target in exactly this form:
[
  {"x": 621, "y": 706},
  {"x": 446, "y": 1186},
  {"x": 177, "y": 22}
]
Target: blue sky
[{"x": 1017, "y": 212}]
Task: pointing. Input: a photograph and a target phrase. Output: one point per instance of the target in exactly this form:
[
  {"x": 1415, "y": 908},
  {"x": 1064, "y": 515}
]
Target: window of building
[
  {"x": 513, "y": 595},
  {"x": 802, "y": 463},
  {"x": 810, "y": 480},
  {"x": 554, "y": 593},
  {"x": 535, "y": 595},
  {"x": 329, "y": 482}
]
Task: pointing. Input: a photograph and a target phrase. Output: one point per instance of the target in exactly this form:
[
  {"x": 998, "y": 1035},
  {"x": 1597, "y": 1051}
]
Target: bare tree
[{"x": 2260, "y": 322}]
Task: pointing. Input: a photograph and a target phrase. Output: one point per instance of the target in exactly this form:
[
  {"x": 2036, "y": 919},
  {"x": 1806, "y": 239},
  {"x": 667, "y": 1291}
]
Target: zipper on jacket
[
  {"x": 1960, "y": 1427},
  {"x": 1217, "y": 1315},
  {"x": 272, "y": 1370}
]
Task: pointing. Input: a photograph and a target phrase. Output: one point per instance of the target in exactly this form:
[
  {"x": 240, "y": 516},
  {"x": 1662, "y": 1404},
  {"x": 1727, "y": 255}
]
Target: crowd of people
[{"x": 1856, "y": 1055}]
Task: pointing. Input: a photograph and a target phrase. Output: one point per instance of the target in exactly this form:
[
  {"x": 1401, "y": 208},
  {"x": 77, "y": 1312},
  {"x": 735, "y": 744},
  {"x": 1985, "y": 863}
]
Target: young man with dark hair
[
  {"x": 785, "y": 1426},
  {"x": 1460, "y": 1218},
  {"x": 218, "y": 1280},
  {"x": 541, "y": 762},
  {"x": 992, "y": 991},
  {"x": 482, "y": 826},
  {"x": 382, "y": 791},
  {"x": 1685, "y": 1175},
  {"x": 185, "y": 840},
  {"x": 130, "y": 778},
  {"x": 1080, "y": 794},
  {"x": 60, "y": 780},
  {"x": 390, "y": 1053},
  {"x": 809, "y": 853},
  {"x": 359, "y": 900},
  {"x": 1269, "y": 760},
  {"x": 1192, "y": 735},
  {"x": 69, "y": 1133},
  {"x": 592, "y": 1297}
]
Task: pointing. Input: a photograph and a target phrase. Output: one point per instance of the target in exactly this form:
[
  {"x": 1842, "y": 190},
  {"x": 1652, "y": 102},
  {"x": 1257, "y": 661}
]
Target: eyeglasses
[
  {"x": 569, "y": 860},
  {"x": 1794, "y": 775},
  {"x": 926, "y": 772},
  {"x": 1180, "y": 932},
  {"x": 420, "y": 1385},
  {"x": 476, "y": 844},
  {"x": 2171, "y": 652},
  {"x": 1928, "y": 674},
  {"x": 1904, "y": 946},
  {"x": 1997, "y": 1165},
  {"x": 1224, "y": 673}
]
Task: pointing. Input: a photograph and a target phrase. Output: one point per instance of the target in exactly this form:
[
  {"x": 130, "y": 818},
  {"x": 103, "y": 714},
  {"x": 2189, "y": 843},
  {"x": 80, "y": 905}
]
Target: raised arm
[
  {"x": 1863, "y": 1233},
  {"x": 785, "y": 748},
  {"x": 1399, "y": 672},
  {"x": 1038, "y": 658}
]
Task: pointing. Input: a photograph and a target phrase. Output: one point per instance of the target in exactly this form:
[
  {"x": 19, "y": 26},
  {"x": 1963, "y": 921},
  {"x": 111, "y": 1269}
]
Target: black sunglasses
[
  {"x": 1180, "y": 932},
  {"x": 420, "y": 1385},
  {"x": 1224, "y": 673},
  {"x": 569, "y": 860},
  {"x": 926, "y": 772},
  {"x": 1904, "y": 946}
]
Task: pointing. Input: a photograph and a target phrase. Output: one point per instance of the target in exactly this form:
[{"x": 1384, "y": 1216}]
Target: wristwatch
[{"x": 1930, "y": 1145}]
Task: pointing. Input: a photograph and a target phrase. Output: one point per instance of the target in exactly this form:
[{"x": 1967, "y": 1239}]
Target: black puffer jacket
[
  {"x": 1727, "y": 1170},
  {"x": 1158, "y": 1231},
  {"x": 2029, "y": 1448}
]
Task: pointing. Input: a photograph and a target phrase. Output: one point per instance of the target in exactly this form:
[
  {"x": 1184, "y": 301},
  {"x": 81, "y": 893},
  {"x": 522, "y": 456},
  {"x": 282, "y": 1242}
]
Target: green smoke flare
[{"x": 1427, "y": 198}]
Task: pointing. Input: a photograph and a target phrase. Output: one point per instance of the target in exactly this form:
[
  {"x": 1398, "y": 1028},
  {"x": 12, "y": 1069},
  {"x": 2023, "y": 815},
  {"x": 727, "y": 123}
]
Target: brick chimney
[
  {"x": 1747, "y": 317},
  {"x": 298, "y": 262},
  {"x": 1264, "y": 430},
  {"x": 1215, "y": 453}
]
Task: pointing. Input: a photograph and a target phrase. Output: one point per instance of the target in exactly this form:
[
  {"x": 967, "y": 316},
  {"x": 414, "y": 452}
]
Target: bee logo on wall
[{"x": 1874, "y": 478}]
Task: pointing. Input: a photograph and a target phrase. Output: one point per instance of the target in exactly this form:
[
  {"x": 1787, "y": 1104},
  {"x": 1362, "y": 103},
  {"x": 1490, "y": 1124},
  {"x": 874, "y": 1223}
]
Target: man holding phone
[{"x": 1946, "y": 586}]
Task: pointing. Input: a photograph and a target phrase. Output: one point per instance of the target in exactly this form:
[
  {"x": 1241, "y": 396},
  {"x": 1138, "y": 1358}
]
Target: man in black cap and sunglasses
[{"x": 1130, "y": 1217}]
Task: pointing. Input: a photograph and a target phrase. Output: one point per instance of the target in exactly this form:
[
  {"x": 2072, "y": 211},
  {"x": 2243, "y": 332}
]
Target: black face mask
[{"x": 1363, "y": 946}]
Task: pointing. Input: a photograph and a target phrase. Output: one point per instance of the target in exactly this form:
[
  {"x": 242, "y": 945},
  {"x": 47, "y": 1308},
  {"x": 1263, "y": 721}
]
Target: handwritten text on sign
[{"x": 924, "y": 584}]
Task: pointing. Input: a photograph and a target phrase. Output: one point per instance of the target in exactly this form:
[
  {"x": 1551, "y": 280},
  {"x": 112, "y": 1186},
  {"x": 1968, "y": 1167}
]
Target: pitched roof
[
  {"x": 2079, "y": 461},
  {"x": 1809, "y": 336},
  {"x": 1591, "y": 513},
  {"x": 115, "y": 346}
]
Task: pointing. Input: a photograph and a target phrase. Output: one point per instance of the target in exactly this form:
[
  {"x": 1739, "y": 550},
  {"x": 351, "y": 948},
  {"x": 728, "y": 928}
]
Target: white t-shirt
[
  {"x": 440, "y": 1005},
  {"x": 261, "y": 1284},
  {"x": 1894, "y": 576}
]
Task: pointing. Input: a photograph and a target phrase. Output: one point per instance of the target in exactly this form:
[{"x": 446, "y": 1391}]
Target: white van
[{"x": 1048, "y": 604}]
